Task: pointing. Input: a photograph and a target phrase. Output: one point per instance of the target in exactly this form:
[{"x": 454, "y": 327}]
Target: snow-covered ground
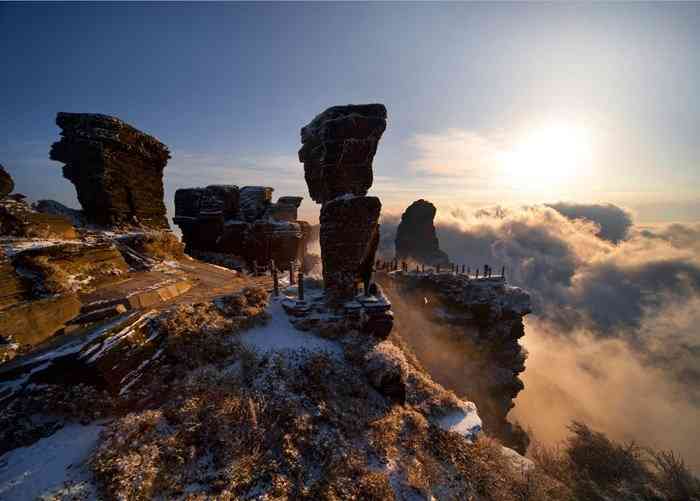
[
  {"x": 278, "y": 335},
  {"x": 53, "y": 466}
]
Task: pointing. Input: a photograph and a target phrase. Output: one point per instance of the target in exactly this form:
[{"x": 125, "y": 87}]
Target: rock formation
[
  {"x": 18, "y": 219},
  {"x": 338, "y": 147},
  {"x": 415, "y": 237},
  {"x": 117, "y": 170},
  {"x": 465, "y": 332},
  {"x": 6, "y": 182},
  {"x": 223, "y": 219}
]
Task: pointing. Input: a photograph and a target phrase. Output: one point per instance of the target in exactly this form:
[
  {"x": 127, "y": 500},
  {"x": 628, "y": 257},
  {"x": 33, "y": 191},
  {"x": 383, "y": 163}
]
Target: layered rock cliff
[{"x": 465, "y": 332}]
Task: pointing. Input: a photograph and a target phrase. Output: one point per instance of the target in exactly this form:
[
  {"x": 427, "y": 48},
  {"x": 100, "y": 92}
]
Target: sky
[{"x": 488, "y": 103}]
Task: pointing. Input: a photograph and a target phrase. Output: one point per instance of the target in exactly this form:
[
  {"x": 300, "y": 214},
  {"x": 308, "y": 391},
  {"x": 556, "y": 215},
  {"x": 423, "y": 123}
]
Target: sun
[{"x": 548, "y": 157}]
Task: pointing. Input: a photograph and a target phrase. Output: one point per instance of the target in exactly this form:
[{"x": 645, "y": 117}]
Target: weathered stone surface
[
  {"x": 415, "y": 237},
  {"x": 6, "y": 182},
  {"x": 349, "y": 239},
  {"x": 18, "y": 219},
  {"x": 31, "y": 322},
  {"x": 13, "y": 288},
  {"x": 67, "y": 266},
  {"x": 285, "y": 209},
  {"x": 254, "y": 202},
  {"x": 338, "y": 147},
  {"x": 221, "y": 219},
  {"x": 117, "y": 170},
  {"x": 479, "y": 322}
]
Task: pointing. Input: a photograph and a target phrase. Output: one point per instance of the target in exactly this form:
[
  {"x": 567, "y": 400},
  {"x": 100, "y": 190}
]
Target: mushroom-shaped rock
[
  {"x": 117, "y": 170},
  {"x": 338, "y": 147}
]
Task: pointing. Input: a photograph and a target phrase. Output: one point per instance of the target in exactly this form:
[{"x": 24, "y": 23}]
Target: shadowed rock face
[
  {"x": 18, "y": 219},
  {"x": 349, "y": 239},
  {"x": 416, "y": 238},
  {"x": 117, "y": 170},
  {"x": 338, "y": 147},
  {"x": 6, "y": 182},
  {"x": 465, "y": 332}
]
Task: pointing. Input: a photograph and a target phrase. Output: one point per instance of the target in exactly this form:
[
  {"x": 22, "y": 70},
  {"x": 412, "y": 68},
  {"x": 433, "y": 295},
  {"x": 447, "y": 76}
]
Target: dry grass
[
  {"x": 599, "y": 469},
  {"x": 268, "y": 427}
]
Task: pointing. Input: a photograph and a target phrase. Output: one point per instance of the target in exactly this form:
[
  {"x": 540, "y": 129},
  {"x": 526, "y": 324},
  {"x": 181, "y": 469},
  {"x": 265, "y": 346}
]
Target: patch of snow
[
  {"x": 53, "y": 465},
  {"x": 136, "y": 374},
  {"x": 465, "y": 421},
  {"x": 279, "y": 335},
  {"x": 118, "y": 337}
]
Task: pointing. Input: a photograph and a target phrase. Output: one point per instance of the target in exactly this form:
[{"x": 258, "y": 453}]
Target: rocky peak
[{"x": 416, "y": 238}]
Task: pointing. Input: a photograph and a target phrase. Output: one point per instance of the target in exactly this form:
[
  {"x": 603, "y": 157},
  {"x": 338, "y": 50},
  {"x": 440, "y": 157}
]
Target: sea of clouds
[{"x": 614, "y": 337}]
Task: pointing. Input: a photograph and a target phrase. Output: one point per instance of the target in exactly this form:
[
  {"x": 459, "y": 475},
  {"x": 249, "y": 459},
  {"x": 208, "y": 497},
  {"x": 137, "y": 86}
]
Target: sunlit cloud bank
[{"x": 613, "y": 338}]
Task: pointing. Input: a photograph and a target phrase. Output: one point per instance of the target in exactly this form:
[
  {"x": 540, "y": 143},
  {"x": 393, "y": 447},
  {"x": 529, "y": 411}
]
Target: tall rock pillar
[{"x": 338, "y": 147}]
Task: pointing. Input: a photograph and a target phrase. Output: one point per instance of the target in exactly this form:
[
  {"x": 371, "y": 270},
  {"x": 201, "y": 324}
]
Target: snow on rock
[
  {"x": 13, "y": 246},
  {"x": 279, "y": 335},
  {"x": 464, "y": 420},
  {"x": 53, "y": 466},
  {"x": 520, "y": 463}
]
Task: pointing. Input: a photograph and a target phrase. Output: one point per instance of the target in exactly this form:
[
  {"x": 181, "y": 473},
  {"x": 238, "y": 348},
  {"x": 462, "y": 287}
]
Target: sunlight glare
[{"x": 548, "y": 157}]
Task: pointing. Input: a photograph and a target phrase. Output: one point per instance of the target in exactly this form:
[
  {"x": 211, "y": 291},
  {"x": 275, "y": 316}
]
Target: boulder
[
  {"x": 415, "y": 237},
  {"x": 338, "y": 147},
  {"x": 117, "y": 170}
]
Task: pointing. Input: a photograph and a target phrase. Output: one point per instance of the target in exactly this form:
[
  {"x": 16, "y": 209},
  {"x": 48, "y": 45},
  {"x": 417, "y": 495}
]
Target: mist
[{"x": 613, "y": 338}]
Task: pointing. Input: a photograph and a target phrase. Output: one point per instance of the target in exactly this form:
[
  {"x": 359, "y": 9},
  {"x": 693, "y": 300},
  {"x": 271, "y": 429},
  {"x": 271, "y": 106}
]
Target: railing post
[
  {"x": 291, "y": 272},
  {"x": 275, "y": 279},
  {"x": 301, "y": 284}
]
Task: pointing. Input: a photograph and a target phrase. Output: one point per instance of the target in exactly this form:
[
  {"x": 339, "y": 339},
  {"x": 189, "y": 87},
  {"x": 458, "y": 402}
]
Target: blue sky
[{"x": 476, "y": 94}]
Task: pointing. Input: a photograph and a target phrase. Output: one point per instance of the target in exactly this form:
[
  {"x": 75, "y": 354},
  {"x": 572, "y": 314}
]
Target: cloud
[
  {"x": 614, "y": 222},
  {"x": 613, "y": 337}
]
